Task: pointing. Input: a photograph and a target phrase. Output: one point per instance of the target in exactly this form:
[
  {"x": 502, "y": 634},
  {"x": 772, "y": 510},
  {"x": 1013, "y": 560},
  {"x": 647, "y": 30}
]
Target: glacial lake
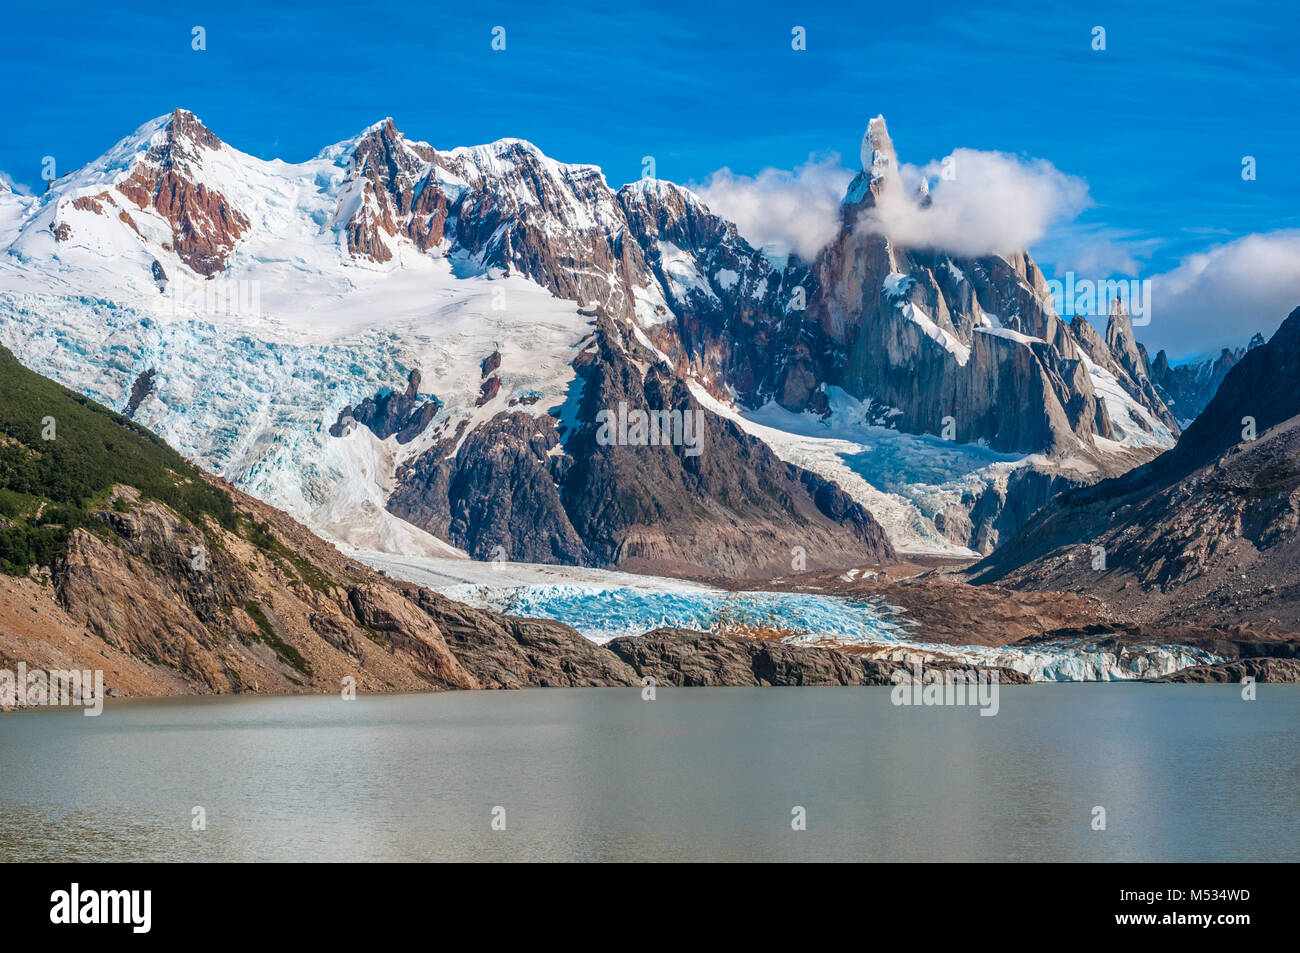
[{"x": 1184, "y": 772}]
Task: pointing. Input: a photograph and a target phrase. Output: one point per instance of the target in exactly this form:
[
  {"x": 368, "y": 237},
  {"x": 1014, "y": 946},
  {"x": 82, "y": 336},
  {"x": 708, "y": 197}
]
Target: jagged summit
[
  {"x": 878, "y": 155},
  {"x": 879, "y": 176},
  {"x": 448, "y": 256},
  {"x": 1203, "y": 534},
  {"x": 182, "y": 124}
]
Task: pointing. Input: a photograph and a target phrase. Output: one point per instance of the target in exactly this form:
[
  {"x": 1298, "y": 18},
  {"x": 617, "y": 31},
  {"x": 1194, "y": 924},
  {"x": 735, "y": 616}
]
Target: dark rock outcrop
[
  {"x": 404, "y": 413},
  {"x": 1260, "y": 669},
  {"x": 141, "y": 388},
  {"x": 678, "y": 657},
  {"x": 496, "y": 497},
  {"x": 517, "y": 487},
  {"x": 508, "y": 652},
  {"x": 687, "y": 659}
]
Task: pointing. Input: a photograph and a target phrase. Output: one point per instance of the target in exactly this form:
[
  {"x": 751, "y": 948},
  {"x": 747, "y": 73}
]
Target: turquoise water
[{"x": 1185, "y": 772}]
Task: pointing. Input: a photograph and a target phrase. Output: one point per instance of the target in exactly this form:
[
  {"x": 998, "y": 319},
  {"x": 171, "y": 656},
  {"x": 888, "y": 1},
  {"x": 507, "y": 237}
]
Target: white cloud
[
  {"x": 998, "y": 203},
  {"x": 7, "y": 182},
  {"x": 1220, "y": 297},
  {"x": 980, "y": 203},
  {"x": 778, "y": 210},
  {"x": 995, "y": 203}
]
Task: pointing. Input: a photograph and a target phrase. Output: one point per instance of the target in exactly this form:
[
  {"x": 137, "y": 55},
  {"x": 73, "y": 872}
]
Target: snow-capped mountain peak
[
  {"x": 879, "y": 180},
  {"x": 469, "y": 280}
]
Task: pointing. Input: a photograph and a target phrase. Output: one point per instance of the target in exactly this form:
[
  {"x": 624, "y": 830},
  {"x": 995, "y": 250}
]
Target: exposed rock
[
  {"x": 683, "y": 658},
  {"x": 140, "y": 389},
  {"x": 205, "y": 226},
  {"x": 489, "y": 389},
  {"x": 390, "y": 412},
  {"x": 1205, "y": 533},
  {"x": 931, "y": 345},
  {"x": 1187, "y": 388},
  {"x": 517, "y": 487},
  {"x": 497, "y": 496},
  {"x": 410, "y": 633},
  {"x": 508, "y": 652},
  {"x": 1260, "y": 669}
]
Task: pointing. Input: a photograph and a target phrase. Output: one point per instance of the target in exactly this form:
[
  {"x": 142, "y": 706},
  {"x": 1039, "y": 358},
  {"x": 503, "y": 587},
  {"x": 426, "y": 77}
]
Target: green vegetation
[
  {"x": 49, "y": 487},
  {"x": 259, "y": 534},
  {"x": 285, "y": 652}
]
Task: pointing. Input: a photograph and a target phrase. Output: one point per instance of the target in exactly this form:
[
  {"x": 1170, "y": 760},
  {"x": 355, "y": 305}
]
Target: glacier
[
  {"x": 606, "y": 604},
  {"x": 250, "y": 393}
]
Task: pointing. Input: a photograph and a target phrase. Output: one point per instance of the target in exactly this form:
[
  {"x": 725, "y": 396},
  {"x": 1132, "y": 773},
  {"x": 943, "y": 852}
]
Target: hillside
[
  {"x": 1207, "y": 532},
  {"x": 119, "y": 554}
]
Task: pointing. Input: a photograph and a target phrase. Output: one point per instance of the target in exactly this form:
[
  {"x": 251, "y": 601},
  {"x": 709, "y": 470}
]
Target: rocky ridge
[{"x": 1206, "y": 532}]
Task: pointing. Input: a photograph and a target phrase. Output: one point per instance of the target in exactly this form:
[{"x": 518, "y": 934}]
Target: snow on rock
[
  {"x": 896, "y": 286},
  {"x": 903, "y": 479},
  {"x": 1125, "y": 413}
]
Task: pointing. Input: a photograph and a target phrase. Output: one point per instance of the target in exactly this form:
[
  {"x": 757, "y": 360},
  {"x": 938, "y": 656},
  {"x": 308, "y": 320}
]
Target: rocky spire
[
  {"x": 1122, "y": 343},
  {"x": 879, "y": 176}
]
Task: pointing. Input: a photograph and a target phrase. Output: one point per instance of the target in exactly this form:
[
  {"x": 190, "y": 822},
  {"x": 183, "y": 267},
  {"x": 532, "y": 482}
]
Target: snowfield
[
  {"x": 252, "y": 368},
  {"x": 247, "y": 384},
  {"x": 903, "y": 479}
]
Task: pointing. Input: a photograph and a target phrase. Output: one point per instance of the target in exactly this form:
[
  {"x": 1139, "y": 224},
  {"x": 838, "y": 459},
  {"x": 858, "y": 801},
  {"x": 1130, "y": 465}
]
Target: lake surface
[{"x": 1185, "y": 773}]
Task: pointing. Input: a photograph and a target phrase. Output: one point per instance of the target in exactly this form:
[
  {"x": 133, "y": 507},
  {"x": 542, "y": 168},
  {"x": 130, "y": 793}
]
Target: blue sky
[{"x": 1157, "y": 124}]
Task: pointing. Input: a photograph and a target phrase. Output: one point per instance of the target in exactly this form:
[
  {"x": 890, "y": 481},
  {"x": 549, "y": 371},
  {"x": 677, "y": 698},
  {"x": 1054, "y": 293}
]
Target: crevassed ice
[{"x": 602, "y": 613}]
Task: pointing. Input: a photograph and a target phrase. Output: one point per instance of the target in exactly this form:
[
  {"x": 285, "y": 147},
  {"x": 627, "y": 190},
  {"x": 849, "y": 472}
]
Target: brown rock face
[
  {"x": 411, "y": 634},
  {"x": 205, "y": 226},
  {"x": 257, "y": 616},
  {"x": 506, "y": 652},
  {"x": 685, "y": 659},
  {"x": 690, "y": 659},
  {"x": 400, "y": 197},
  {"x": 121, "y": 600},
  {"x": 1260, "y": 669}
]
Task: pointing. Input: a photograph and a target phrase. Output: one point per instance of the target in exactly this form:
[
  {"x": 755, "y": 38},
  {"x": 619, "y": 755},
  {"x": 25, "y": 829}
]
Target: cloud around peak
[
  {"x": 778, "y": 210},
  {"x": 1221, "y": 296},
  {"x": 980, "y": 203}
]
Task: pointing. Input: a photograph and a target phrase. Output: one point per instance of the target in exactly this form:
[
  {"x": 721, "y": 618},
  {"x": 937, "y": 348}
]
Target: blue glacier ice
[{"x": 603, "y": 613}]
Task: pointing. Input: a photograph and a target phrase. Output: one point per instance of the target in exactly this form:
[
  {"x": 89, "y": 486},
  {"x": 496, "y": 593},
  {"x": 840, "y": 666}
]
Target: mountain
[
  {"x": 734, "y": 508},
  {"x": 118, "y": 554},
  {"x": 931, "y": 336},
  {"x": 409, "y": 349},
  {"x": 1204, "y": 534},
  {"x": 1186, "y": 388}
]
